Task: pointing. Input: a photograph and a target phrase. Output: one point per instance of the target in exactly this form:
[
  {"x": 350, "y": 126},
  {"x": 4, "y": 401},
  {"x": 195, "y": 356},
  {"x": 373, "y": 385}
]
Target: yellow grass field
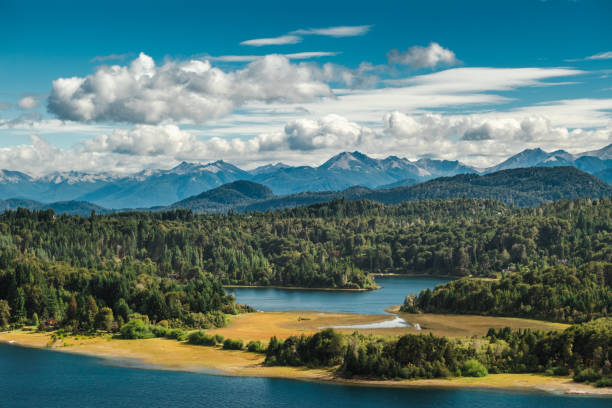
[
  {"x": 174, "y": 355},
  {"x": 262, "y": 326}
]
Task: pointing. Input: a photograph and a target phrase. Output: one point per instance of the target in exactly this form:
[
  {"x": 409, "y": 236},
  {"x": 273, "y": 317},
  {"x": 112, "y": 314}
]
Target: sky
[{"x": 121, "y": 86}]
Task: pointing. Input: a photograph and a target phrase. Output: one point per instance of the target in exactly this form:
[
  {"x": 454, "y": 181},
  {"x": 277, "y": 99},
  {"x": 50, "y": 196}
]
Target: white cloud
[
  {"x": 282, "y": 40},
  {"x": 331, "y": 131},
  {"x": 28, "y": 102},
  {"x": 192, "y": 90},
  {"x": 293, "y": 56},
  {"x": 339, "y": 31},
  {"x": 480, "y": 140},
  {"x": 423, "y": 57},
  {"x": 600, "y": 56}
]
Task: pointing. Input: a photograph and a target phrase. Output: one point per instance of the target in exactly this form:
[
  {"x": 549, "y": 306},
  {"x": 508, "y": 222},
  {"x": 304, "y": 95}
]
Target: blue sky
[{"x": 525, "y": 73}]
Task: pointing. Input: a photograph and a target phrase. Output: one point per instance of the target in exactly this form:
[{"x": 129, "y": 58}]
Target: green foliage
[
  {"x": 562, "y": 293},
  {"x": 136, "y": 329},
  {"x": 5, "y": 314},
  {"x": 324, "y": 348},
  {"x": 584, "y": 349},
  {"x": 256, "y": 347},
  {"x": 474, "y": 368},
  {"x": 200, "y": 338},
  {"x": 174, "y": 334},
  {"x": 230, "y": 344}
]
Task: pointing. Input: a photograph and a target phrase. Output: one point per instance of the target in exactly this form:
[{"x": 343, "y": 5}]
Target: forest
[
  {"x": 560, "y": 293},
  {"x": 583, "y": 351},
  {"x": 170, "y": 266}
]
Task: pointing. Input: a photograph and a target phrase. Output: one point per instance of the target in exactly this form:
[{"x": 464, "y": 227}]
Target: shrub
[
  {"x": 201, "y": 339},
  {"x": 473, "y": 368},
  {"x": 586, "y": 375},
  {"x": 219, "y": 338},
  {"x": 604, "y": 381},
  {"x": 175, "y": 334},
  {"x": 230, "y": 344},
  {"x": 136, "y": 329},
  {"x": 256, "y": 347}
]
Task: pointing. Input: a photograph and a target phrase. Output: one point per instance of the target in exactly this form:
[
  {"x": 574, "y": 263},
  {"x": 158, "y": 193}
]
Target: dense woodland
[
  {"x": 582, "y": 350},
  {"x": 561, "y": 293},
  {"x": 171, "y": 265}
]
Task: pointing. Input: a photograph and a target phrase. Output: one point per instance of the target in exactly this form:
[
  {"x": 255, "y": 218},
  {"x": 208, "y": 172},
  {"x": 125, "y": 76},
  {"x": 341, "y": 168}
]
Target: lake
[
  {"x": 394, "y": 290},
  {"x": 42, "y": 378}
]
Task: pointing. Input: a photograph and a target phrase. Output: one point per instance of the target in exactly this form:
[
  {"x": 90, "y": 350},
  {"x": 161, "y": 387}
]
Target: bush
[
  {"x": 200, "y": 338},
  {"x": 230, "y": 344},
  {"x": 473, "y": 368},
  {"x": 219, "y": 338},
  {"x": 586, "y": 375},
  {"x": 136, "y": 329},
  {"x": 556, "y": 371},
  {"x": 604, "y": 381},
  {"x": 256, "y": 347},
  {"x": 174, "y": 334}
]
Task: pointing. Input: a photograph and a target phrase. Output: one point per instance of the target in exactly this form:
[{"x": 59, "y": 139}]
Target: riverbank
[
  {"x": 172, "y": 355},
  {"x": 179, "y": 356},
  {"x": 376, "y": 287}
]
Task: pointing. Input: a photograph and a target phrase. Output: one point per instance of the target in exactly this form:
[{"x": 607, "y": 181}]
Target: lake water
[
  {"x": 42, "y": 378},
  {"x": 394, "y": 290}
]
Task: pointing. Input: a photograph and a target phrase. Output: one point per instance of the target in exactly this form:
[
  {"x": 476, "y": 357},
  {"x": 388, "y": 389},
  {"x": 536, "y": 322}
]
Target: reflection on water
[{"x": 393, "y": 292}]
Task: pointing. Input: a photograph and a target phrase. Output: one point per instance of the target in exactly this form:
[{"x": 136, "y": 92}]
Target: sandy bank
[{"x": 174, "y": 355}]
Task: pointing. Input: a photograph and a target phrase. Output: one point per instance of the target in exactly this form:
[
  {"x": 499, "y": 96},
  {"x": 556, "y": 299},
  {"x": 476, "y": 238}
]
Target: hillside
[
  {"x": 81, "y": 208},
  {"x": 520, "y": 187},
  {"x": 226, "y": 197}
]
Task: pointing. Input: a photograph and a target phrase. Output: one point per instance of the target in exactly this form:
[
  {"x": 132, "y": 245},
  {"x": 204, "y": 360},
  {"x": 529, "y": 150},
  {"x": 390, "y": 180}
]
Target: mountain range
[
  {"x": 155, "y": 188},
  {"x": 522, "y": 187}
]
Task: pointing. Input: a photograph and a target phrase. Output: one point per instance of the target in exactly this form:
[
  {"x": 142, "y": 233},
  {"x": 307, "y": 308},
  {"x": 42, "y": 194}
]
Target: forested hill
[
  {"x": 520, "y": 187},
  {"x": 81, "y": 208}
]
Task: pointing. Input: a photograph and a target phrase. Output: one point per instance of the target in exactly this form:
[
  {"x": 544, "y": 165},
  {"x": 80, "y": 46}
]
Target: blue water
[
  {"x": 394, "y": 290},
  {"x": 42, "y": 378}
]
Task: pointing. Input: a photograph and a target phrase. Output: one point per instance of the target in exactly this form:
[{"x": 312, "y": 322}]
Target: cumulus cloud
[
  {"x": 479, "y": 140},
  {"x": 423, "y": 57},
  {"x": 28, "y": 102},
  {"x": 338, "y": 31},
  {"x": 331, "y": 131},
  {"x": 483, "y": 140},
  {"x": 192, "y": 90},
  {"x": 281, "y": 40}
]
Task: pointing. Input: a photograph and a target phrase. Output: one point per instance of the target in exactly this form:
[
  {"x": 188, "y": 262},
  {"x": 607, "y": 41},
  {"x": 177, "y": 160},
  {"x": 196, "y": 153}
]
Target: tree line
[
  {"x": 582, "y": 350},
  {"x": 561, "y": 293}
]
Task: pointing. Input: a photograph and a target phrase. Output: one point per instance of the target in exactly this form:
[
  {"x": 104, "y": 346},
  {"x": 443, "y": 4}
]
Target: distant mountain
[
  {"x": 521, "y": 187},
  {"x": 605, "y": 175},
  {"x": 444, "y": 168},
  {"x": 160, "y": 188},
  {"x": 526, "y": 158},
  {"x": 340, "y": 172},
  {"x": 605, "y": 153},
  {"x": 592, "y": 162},
  {"x": 81, "y": 208},
  {"x": 226, "y": 197},
  {"x": 401, "y": 183}
]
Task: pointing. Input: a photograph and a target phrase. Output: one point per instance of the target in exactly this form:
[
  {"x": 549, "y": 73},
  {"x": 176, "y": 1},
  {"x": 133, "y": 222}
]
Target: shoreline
[
  {"x": 172, "y": 355},
  {"x": 300, "y": 288}
]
